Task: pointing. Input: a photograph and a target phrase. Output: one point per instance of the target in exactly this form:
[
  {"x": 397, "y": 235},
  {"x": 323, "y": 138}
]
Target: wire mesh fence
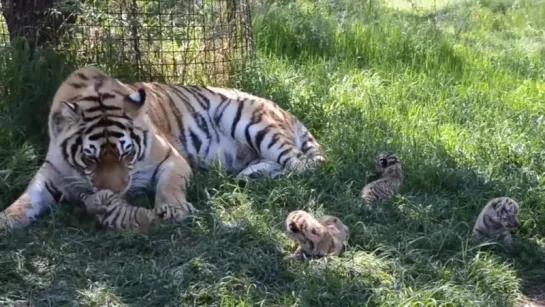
[{"x": 166, "y": 40}]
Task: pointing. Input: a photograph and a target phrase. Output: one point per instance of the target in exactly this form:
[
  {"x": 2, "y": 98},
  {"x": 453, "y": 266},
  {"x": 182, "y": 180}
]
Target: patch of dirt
[{"x": 534, "y": 300}]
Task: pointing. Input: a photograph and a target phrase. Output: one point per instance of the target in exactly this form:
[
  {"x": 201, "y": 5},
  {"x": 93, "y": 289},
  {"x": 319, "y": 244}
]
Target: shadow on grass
[{"x": 198, "y": 262}]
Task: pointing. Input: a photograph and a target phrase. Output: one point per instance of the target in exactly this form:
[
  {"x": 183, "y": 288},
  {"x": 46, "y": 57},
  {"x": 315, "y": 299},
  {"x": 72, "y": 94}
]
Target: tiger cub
[
  {"x": 116, "y": 213},
  {"x": 325, "y": 236},
  {"x": 388, "y": 179},
  {"x": 499, "y": 216}
]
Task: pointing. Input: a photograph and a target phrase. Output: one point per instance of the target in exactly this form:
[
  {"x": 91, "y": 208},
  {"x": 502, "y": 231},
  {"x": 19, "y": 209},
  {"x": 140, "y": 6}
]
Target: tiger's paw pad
[{"x": 172, "y": 213}]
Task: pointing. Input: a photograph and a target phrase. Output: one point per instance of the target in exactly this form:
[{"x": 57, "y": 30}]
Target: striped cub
[
  {"x": 114, "y": 212},
  {"x": 499, "y": 216},
  {"x": 389, "y": 177},
  {"x": 325, "y": 236}
]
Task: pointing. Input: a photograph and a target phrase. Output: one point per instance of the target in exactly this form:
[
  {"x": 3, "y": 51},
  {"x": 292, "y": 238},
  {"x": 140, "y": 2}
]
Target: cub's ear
[
  {"x": 134, "y": 103},
  {"x": 69, "y": 114}
]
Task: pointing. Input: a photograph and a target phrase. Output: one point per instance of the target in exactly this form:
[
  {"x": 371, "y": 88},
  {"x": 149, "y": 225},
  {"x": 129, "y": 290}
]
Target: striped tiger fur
[
  {"x": 499, "y": 216},
  {"x": 114, "y": 212},
  {"x": 122, "y": 137},
  {"x": 388, "y": 170},
  {"x": 324, "y": 236}
]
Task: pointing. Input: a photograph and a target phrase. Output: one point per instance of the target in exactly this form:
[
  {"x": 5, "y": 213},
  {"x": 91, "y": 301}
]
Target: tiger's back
[{"x": 238, "y": 129}]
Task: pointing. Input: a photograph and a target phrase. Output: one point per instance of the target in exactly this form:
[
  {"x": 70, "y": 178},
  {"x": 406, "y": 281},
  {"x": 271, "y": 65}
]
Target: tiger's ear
[
  {"x": 134, "y": 103},
  {"x": 70, "y": 110},
  {"x": 69, "y": 114}
]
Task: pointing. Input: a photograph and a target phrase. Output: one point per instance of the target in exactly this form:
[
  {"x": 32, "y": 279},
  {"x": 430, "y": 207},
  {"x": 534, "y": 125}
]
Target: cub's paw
[
  {"x": 296, "y": 256},
  {"x": 289, "y": 257},
  {"x": 172, "y": 212},
  {"x": 508, "y": 240}
]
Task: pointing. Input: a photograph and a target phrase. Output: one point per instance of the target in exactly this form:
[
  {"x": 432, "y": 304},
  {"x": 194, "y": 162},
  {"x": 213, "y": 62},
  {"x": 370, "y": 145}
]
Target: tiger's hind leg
[
  {"x": 43, "y": 191},
  {"x": 278, "y": 148},
  {"x": 260, "y": 168},
  {"x": 277, "y": 158},
  {"x": 294, "y": 153}
]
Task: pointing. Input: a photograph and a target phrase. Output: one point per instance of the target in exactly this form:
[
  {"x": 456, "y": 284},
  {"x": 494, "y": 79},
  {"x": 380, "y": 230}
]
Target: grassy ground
[{"x": 456, "y": 89}]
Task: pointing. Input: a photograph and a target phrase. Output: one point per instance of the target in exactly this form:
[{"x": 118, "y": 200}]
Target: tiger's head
[
  {"x": 388, "y": 164},
  {"x": 96, "y": 125},
  {"x": 508, "y": 212}
]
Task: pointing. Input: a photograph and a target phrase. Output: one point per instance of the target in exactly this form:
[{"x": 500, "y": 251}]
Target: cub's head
[
  {"x": 302, "y": 226},
  {"x": 387, "y": 163},
  {"x": 98, "y": 202},
  {"x": 94, "y": 121},
  {"x": 508, "y": 212}
]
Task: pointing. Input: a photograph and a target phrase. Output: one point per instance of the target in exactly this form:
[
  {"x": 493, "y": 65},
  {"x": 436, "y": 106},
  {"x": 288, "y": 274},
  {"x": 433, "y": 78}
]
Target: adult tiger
[{"x": 115, "y": 136}]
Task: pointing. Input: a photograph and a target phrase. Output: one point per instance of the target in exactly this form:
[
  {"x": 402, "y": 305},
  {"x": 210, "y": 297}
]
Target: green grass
[{"x": 456, "y": 89}]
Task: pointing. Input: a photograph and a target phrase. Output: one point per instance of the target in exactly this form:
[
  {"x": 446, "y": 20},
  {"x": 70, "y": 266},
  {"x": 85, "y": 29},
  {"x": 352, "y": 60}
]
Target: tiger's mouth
[
  {"x": 118, "y": 186},
  {"x": 111, "y": 174}
]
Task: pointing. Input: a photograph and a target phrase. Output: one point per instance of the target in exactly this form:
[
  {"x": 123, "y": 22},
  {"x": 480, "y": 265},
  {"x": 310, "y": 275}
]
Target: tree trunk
[{"x": 36, "y": 21}]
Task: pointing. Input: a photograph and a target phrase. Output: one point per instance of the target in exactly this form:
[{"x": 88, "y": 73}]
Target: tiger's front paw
[
  {"x": 172, "y": 212},
  {"x": 6, "y": 221}
]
